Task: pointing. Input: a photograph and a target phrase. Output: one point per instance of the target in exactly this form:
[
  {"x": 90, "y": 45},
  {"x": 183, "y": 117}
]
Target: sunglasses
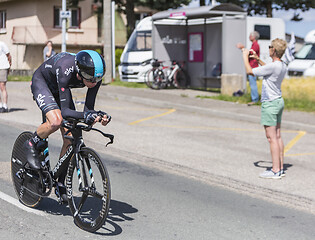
[
  {"x": 90, "y": 79},
  {"x": 270, "y": 47}
]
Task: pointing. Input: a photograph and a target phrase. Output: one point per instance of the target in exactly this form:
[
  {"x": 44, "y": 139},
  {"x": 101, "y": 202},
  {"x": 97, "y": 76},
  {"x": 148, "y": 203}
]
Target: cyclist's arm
[
  {"x": 66, "y": 103},
  {"x": 90, "y": 97}
]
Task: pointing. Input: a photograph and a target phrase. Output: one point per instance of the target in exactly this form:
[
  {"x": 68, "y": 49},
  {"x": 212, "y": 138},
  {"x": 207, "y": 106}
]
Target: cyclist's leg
[
  {"x": 52, "y": 124},
  {"x": 49, "y": 107}
]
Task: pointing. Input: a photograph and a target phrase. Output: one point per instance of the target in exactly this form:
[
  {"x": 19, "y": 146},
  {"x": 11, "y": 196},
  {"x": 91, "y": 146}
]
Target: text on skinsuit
[
  {"x": 40, "y": 100},
  {"x": 69, "y": 70}
]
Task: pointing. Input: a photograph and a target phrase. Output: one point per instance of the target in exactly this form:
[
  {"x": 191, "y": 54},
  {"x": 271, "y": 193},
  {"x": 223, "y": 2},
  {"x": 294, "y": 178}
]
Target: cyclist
[{"x": 51, "y": 84}]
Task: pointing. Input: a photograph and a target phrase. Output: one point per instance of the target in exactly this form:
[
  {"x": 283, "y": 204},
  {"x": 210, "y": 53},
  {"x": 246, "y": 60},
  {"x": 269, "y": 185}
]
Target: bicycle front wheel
[
  {"x": 88, "y": 190},
  {"x": 156, "y": 79}
]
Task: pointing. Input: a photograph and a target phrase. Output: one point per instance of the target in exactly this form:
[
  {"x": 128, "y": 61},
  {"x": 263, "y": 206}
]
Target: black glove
[
  {"x": 102, "y": 114},
  {"x": 90, "y": 116}
]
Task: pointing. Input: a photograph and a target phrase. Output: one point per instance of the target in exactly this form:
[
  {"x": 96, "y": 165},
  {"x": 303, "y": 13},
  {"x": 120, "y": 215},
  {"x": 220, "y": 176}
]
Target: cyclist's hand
[
  {"x": 104, "y": 118},
  {"x": 90, "y": 117}
]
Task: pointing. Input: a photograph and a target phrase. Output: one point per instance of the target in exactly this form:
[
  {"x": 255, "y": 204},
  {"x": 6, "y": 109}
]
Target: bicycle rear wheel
[
  {"x": 88, "y": 190},
  {"x": 180, "y": 79},
  {"x": 18, "y": 161}
]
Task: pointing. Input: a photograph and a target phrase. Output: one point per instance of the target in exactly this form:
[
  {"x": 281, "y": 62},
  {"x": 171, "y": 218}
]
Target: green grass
[
  {"x": 117, "y": 82},
  {"x": 298, "y": 94},
  {"x": 19, "y": 78},
  {"x": 243, "y": 99}
]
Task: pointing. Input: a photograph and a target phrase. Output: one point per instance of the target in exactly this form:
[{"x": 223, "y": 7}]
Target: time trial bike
[{"x": 87, "y": 180}]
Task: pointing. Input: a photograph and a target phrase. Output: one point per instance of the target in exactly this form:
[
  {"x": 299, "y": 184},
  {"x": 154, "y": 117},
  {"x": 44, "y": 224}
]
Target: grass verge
[
  {"x": 19, "y": 78},
  {"x": 298, "y": 94},
  {"x": 117, "y": 82}
]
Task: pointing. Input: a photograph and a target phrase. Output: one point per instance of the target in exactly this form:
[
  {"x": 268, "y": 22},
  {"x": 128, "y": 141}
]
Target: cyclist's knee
[{"x": 54, "y": 119}]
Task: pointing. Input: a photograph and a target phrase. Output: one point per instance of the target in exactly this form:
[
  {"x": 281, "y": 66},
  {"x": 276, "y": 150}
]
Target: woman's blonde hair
[{"x": 280, "y": 46}]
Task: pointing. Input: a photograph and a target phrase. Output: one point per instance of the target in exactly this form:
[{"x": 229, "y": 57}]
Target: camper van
[
  {"x": 304, "y": 62},
  {"x": 135, "y": 59}
]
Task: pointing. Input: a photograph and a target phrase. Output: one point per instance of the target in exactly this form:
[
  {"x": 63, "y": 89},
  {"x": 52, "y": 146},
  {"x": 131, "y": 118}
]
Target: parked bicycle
[
  {"x": 161, "y": 76},
  {"x": 87, "y": 181}
]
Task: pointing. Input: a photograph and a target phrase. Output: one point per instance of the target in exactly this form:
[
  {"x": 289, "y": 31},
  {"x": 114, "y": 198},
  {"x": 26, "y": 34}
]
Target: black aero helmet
[{"x": 90, "y": 65}]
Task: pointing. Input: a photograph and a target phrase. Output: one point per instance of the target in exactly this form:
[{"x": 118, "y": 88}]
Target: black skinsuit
[{"x": 51, "y": 84}]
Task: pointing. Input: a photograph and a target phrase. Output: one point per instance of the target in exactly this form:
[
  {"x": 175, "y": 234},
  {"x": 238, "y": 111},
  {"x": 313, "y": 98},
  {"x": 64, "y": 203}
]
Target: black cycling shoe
[
  {"x": 32, "y": 155},
  {"x": 62, "y": 194}
]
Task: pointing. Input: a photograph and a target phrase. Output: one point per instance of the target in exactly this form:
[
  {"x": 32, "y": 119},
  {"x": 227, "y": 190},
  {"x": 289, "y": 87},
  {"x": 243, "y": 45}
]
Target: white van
[
  {"x": 304, "y": 62},
  {"x": 135, "y": 59}
]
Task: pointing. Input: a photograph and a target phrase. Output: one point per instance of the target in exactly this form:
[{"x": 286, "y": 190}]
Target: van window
[
  {"x": 140, "y": 41},
  {"x": 264, "y": 31},
  {"x": 306, "y": 52}
]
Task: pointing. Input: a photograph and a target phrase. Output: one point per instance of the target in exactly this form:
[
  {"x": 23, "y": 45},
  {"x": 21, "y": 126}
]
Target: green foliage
[
  {"x": 162, "y": 4},
  {"x": 127, "y": 7},
  {"x": 118, "y": 52},
  {"x": 263, "y": 7}
]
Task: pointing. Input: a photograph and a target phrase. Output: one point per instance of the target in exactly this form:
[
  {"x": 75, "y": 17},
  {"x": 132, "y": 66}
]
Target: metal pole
[
  {"x": 107, "y": 40},
  {"x": 113, "y": 41},
  {"x": 64, "y": 23}
]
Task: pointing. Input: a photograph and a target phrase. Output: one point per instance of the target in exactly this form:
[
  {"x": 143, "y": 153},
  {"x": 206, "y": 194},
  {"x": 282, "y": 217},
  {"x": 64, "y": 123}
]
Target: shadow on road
[
  {"x": 118, "y": 212},
  {"x": 268, "y": 165},
  {"x": 16, "y": 109}
]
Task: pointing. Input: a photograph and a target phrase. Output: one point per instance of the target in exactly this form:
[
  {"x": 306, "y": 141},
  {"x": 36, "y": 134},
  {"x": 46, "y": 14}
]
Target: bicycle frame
[{"x": 175, "y": 68}]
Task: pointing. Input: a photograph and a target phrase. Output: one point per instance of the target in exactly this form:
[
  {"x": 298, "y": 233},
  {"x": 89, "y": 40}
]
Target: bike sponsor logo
[
  {"x": 62, "y": 159},
  {"x": 69, "y": 70},
  {"x": 104, "y": 198},
  {"x": 21, "y": 193},
  {"x": 48, "y": 66},
  {"x": 40, "y": 100},
  {"x": 69, "y": 186}
]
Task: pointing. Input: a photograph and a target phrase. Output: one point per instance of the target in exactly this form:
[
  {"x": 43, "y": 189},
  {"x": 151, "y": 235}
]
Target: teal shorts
[{"x": 271, "y": 112}]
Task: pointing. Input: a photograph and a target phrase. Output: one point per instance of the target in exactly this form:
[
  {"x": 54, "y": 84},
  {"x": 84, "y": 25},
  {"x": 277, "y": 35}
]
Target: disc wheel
[
  {"x": 88, "y": 190},
  {"x": 18, "y": 161}
]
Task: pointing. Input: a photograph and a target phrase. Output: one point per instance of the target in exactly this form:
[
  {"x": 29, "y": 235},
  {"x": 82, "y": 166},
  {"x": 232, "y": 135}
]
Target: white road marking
[{"x": 16, "y": 203}]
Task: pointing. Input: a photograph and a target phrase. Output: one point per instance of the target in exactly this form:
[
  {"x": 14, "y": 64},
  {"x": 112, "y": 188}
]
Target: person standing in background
[
  {"x": 5, "y": 64},
  {"x": 48, "y": 51},
  {"x": 272, "y": 102},
  {"x": 253, "y": 37}
]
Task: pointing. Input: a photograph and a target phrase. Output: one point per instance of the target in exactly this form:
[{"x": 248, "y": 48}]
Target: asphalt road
[{"x": 149, "y": 203}]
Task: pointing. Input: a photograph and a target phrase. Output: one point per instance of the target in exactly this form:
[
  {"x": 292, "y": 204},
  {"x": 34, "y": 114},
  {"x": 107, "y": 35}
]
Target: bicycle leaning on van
[
  {"x": 87, "y": 181},
  {"x": 160, "y": 76}
]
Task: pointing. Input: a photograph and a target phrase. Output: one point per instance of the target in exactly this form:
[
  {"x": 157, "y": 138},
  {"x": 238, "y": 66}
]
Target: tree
[
  {"x": 127, "y": 7},
  {"x": 265, "y": 7}
]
